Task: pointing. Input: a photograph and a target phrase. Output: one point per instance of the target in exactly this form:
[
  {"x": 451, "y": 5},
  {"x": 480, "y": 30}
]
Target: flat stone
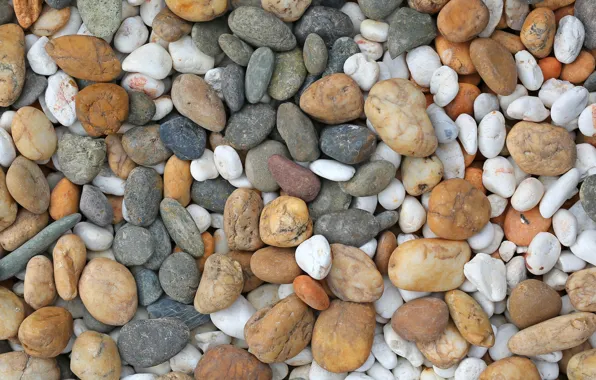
[
  {"x": 58, "y": 4},
  {"x": 409, "y": 29},
  {"x": 236, "y": 49},
  {"x": 80, "y": 158},
  {"x": 95, "y": 206},
  {"x": 330, "y": 199},
  {"x": 288, "y": 74},
  {"x": 145, "y": 343},
  {"x": 342, "y": 49},
  {"x": 258, "y": 74},
  {"x": 179, "y": 277},
  {"x": 148, "y": 287},
  {"x": 94, "y": 324},
  {"x": 298, "y": 132},
  {"x": 329, "y": 23},
  {"x": 387, "y": 219},
  {"x": 162, "y": 246},
  {"x": 133, "y": 245},
  {"x": 141, "y": 108},
  {"x": 144, "y": 145},
  {"x": 205, "y": 35},
  {"x": 260, "y": 28},
  {"x": 181, "y": 227},
  {"x": 35, "y": 85},
  {"x": 370, "y": 179},
  {"x": 142, "y": 194},
  {"x": 211, "y": 194},
  {"x": 250, "y": 126},
  {"x": 256, "y": 167},
  {"x": 167, "y": 307},
  {"x": 101, "y": 17},
  {"x": 348, "y": 143},
  {"x": 315, "y": 54},
  {"x": 378, "y": 9},
  {"x": 232, "y": 86},
  {"x": 183, "y": 137},
  {"x": 350, "y": 227}
]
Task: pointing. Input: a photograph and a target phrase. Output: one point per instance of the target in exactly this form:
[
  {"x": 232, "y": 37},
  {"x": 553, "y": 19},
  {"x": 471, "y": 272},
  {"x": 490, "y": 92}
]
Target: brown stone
[
  {"x": 12, "y": 313},
  {"x": 275, "y": 265},
  {"x": 28, "y": 186},
  {"x": 198, "y": 10},
  {"x": 385, "y": 247},
  {"x": 510, "y": 41},
  {"x": 33, "y": 134},
  {"x": 221, "y": 284},
  {"x": 102, "y": 108},
  {"x": 26, "y": 225},
  {"x": 20, "y": 366},
  {"x": 463, "y": 102},
  {"x": 177, "y": 180},
  {"x": 118, "y": 160},
  {"x": 64, "y": 199},
  {"x": 8, "y": 207},
  {"x": 462, "y": 20},
  {"x": 521, "y": 227},
  {"x": 27, "y": 11},
  {"x": 50, "y": 21},
  {"x": 39, "y": 290},
  {"x": 513, "y": 368},
  {"x": 95, "y": 356},
  {"x": 46, "y": 332},
  {"x": 12, "y": 62},
  {"x": 85, "y": 57},
  {"x": 170, "y": 27},
  {"x": 470, "y": 319},
  {"x": 532, "y": 302},
  {"x": 495, "y": 64},
  {"x": 455, "y": 55},
  {"x": 311, "y": 292},
  {"x": 241, "y": 220},
  {"x": 581, "y": 288},
  {"x": 70, "y": 257},
  {"x": 295, "y": 180},
  {"x": 285, "y": 222},
  {"x": 251, "y": 281},
  {"x": 116, "y": 203},
  {"x": 198, "y": 101},
  {"x": 227, "y": 362},
  {"x": 580, "y": 69},
  {"x": 538, "y": 32},
  {"x": 421, "y": 320}
]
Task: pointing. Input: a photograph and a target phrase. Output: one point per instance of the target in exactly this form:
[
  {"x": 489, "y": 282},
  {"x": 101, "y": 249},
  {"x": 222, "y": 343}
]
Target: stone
[
  {"x": 532, "y": 302},
  {"x": 329, "y": 200},
  {"x": 461, "y": 20},
  {"x": 142, "y": 194},
  {"x": 25, "y": 226},
  {"x": 324, "y": 102},
  {"x": 521, "y": 227},
  {"x": 230, "y": 362},
  {"x": 12, "y": 39},
  {"x": 256, "y": 165},
  {"x": 584, "y": 11},
  {"x": 6, "y": 12},
  {"x": 288, "y": 74},
  {"x": 145, "y": 343},
  {"x": 33, "y": 134},
  {"x": 133, "y": 245},
  {"x": 60, "y": 98},
  {"x": 94, "y": 324},
  {"x": 258, "y": 118},
  {"x": 221, "y": 284},
  {"x": 241, "y": 220},
  {"x": 190, "y": 90},
  {"x": 141, "y": 108},
  {"x": 206, "y": 35},
  {"x": 181, "y": 227},
  {"x": 370, "y": 179},
  {"x": 287, "y": 11},
  {"x": 34, "y": 87},
  {"x": 28, "y": 186},
  {"x": 70, "y": 257},
  {"x": 258, "y": 74},
  {"x": 53, "y": 323},
  {"x": 236, "y": 49},
  {"x": 58, "y": 4},
  {"x": 315, "y": 54},
  {"x": 95, "y": 355},
  {"x": 197, "y": 12},
  {"x": 409, "y": 29},
  {"x": 586, "y": 195},
  {"x": 102, "y": 18},
  {"x": 470, "y": 319},
  {"x": 421, "y": 320},
  {"x": 298, "y": 132},
  {"x": 167, "y": 307},
  {"x": 162, "y": 246},
  {"x": 102, "y": 108},
  {"x": 260, "y": 28},
  {"x": 85, "y": 57},
  {"x": 118, "y": 160},
  {"x": 183, "y": 137},
  {"x": 170, "y": 27},
  {"x": 177, "y": 180},
  {"x": 211, "y": 194},
  {"x": 81, "y": 157},
  {"x": 21, "y": 365},
  {"x": 294, "y": 179},
  {"x": 342, "y": 49},
  {"x": 50, "y": 21},
  {"x": 94, "y": 205},
  {"x": 495, "y": 65},
  {"x": 329, "y": 23},
  {"x": 148, "y": 287},
  {"x": 352, "y": 227},
  {"x": 538, "y": 32},
  {"x": 455, "y": 55},
  {"x": 12, "y": 312},
  {"x": 144, "y": 145},
  {"x": 348, "y": 143},
  {"x": 285, "y": 222},
  {"x": 179, "y": 277},
  {"x": 27, "y": 12},
  {"x": 233, "y": 87}
]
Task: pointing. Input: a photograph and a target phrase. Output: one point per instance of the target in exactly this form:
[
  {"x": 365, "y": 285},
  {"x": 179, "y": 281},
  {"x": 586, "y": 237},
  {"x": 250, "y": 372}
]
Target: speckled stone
[
  {"x": 298, "y": 132},
  {"x": 6, "y": 12},
  {"x": 232, "y": 86},
  {"x": 183, "y": 137},
  {"x": 142, "y": 194},
  {"x": 34, "y": 86},
  {"x": 409, "y": 29},
  {"x": 211, "y": 194},
  {"x": 348, "y": 143},
  {"x": 148, "y": 287},
  {"x": 236, "y": 49},
  {"x": 258, "y": 74},
  {"x": 205, "y": 35},
  {"x": 58, "y": 4},
  {"x": 94, "y": 324},
  {"x": 95, "y": 206},
  {"x": 342, "y": 49},
  {"x": 260, "y": 28},
  {"x": 330, "y": 199},
  {"x": 587, "y": 195},
  {"x": 133, "y": 245},
  {"x": 370, "y": 179},
  {"x": 145, "y": 343},
  {"x": 329, "y": 23},
  {"x": 315, "y": 54},
  {"x": 179, "y": 277},
  {"x": 167, "y": 307},
  {"x": 181, "y": 228},
  {"x": 256, "y": 167},
  {"x": 288, "y": 74},
  {"x": 162, "y": 246},
  {"x": 101, "y": 17},
  {"x": 378, "y": 9},
  {"x": 248, "y": 127},
  {"x": 80, "y": 158},
  {"x": 141, "y": 108},
  {"x": 350, "y": 227}
]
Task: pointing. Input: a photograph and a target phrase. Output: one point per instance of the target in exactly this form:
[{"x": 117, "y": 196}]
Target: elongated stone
[{"x": 167, "y": 307}]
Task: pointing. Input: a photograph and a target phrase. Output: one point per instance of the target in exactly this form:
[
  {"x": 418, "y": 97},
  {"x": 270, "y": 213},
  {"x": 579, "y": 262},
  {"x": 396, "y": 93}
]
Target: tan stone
[
  {"x": 513, "y": 368},
  {"x": 40, "y": 290},
  {"x": 50, "y": 21},
  {"x": 8, "y": 207},
  {"x": 28, "y": 186},
  {"x": 285, "y": 222},
  {"x": 12, "y": 313},
  {"x": 427, "y": 6},
  {"x": 495, "y": 64},
  {"x": 34, "y": 134},
  {"x": 421, "y": 175},
  {"x": 102, "y": 108},
  {"x": 177, "y": 180},
  {"x": 241, "y": 220},
  {"x": 20, "y": 366},
  {"x": 118, "y": 160},
  {"x": 287, "y": 10},
  {"x": 198, "y": 101},
  {"x": 511, "y": 42},
  {"x": 275, "y": 265},
  {"x": 26, "y": 225},
  {"x": 170, "y": 27},
  {"x": 421, "y": 320},
  {"x": 12, "y": 62},
  {"x": 70, "y": 257},
  {"x": 46, "y": 332},
  {"x": 532, "y": 302},
  {"x": 582, "y": 366},
  {"x": 470, "y": 319},
  {"x": 198, "y": 10},
  {"x": 455, "y": 55},
  {"x": 221, "y": 284},
  {"x": 64, "y": 199},
  {"x": 581, "y": 288},
  {"x": 462, "y": 20},
  {"x": 227, "y": 362},
  {"x": 95, "y": 356},
  {"x": 251, "y": 281}
]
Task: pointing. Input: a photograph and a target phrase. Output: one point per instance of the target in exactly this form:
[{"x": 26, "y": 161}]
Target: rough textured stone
[
  {"x": 256, "y": 167},
  {"x": 12, "y": 62},
  {"x": 248, "y": 127},
  {"x": 181, "y": 227},
  {"x": 95, "y": 206},
  {"x": 587, "y": 195},
  {"x": 260, "y": 28},
  {"x": 205, "y": 35},
  {"x": 144, "y": 145},
  {"x": 81, "y": 158},
  {"x": 232, "y": 87},
  {"x": 183, "y": 137},
  {"x": 212, "y": 193},
  {"x": 409, "y": 29},
  {"x": 295, "y": 180},
  {"x": 167, "y": 307},
  {"x": 298, "y": 132},
  {"x": 133, "y": 245},
  {"x": 6, "y": 12},
  {"x": 348, "y": 143},
  {"x": 179, "y": 277},
  {"x": 142, "y": 194},
  {"x": 169, "y": 27},
  {"x": 586, "y": 13},
  {"x": 141, "y": 108},
  {"x": 148, "y": 287},
  {"x": 162, "y": 244},
  {"x": 342, "y": 49},
  {"x": 352, "y": 227},
  {"x": 330, "y": 199},
  {"x": 288, "y": 74},
  {"x": 329, "y": 23},
  {"x": 315, "y": 54},
  {"x": 102, "y": 18}
]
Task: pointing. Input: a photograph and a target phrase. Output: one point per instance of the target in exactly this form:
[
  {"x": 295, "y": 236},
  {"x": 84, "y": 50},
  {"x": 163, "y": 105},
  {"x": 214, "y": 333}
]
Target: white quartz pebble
[
  {"x": 370, "y": 247},
  {"x": 445, "y": 129},
  {"x": 397, "y": 66},
  {"x": 569, "y": 263},
  {"x": 487, "y": 305},
  {"x": 201, "y": 217},
  {"x": 227, "y": 162},
  {"x": 140, "y": 376},
  {"x": 367, "y": 364},
  {"x": 60, "y": 97},
  {"x": 412, "y": 215},
  {"x": 527, "y": 195},
  {"x": 552, "y": 89},
  {"x": 384, "y": 72},
  {"x": 565, "y": 227},
  {"x": 285, "y": 290},
  {"x": 131, "y": 35},
  {"x": 586, "y": 160},
  {"x": 547, "y": 370},
  {"x": 569, "y": 39},
  {"x": 500, "y": 350},
  {"x": 378, "y": 372},
  {"x": 355, "y": 14},
  {"x": 373, "y": 30},
  {"x": 528, "y": 71},
  {"x": 188, "y": 59},
  {"x": 422, "y": 62},
  {"x": 569, "y": 105},
  {"x": 405, "y": 370},
  {"x": 491, "y": 134},
  {"x": 556, "y": 279},
  {"x": 152, "y": 87},
  {"x": 39, "y": 60},
  {"x": 7, "y": 149},
  {"x": 149, "y": 9},
  {"x": 371, "y": 49},
  {"x": 150, "y": 59},
  {"x": 186, "y": 360},
  {"x": 543, "y": 252},
  {"x": 332, "y": 170},
  {"x": 516, "y": 272},
  {"x": 488, "y": 275},
  {"x": 482, "y": 238},
  {"x": 382, "y": 352},
  {"x": 469, "y": 369},
  {"x": 384, "y": 153},
  {"x": 587, "y": 121},
  {"x": 507, "y": 250},
  {"x": 364, "y": 71},
  {"x": 557, "y": 194},
  {"x": 213, "y": 78},
  {"x": 365, "y": 203},
  {"x": 497, "y": 176},
  {"x": 129, "y": 10},
  {"x": 402, "y": 347},
  {"x": 467, "y": 133},
  {"x": 72, "y": 25},
  {"x": 211, "y": 339},
  {"x": 232, "y": 320},
  {"x": 319, "y": 373},
  {"x": 314, "y": 257},
  {"x": 263, "y": 296},
  {"x": 6, "y": 119},
  {"x": 241, "y": 182},
  {"x": 109, "y": 183},
  {"x": 506, "y": 100},
  {"x": 452, "y": 158},
  {"x": 203, "y": 168},
  {"x": 279, "y": 370},
  {"x": 159, "y": 369},
  {"x": 95, "y": 238},
  {"x": 390, "y": 300},
  {"x": 484, "y": 104},
  {"x": 528, "y": 108},
  {"x": 444, "y": 85},
  {"x": 585, "y": 246}
]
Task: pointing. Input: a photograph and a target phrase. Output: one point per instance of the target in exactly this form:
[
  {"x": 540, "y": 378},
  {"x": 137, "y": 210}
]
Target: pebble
[
  {"x": 332, "y": 170},
  {"x": 569, "y": 39},
  {"x": 183, "y": 137},
  {"x": 369, "y": 179},
  {"x": 133, "y": 245},
  {"x": 315, "y": 54},
  {"x": 260, "y": 29},
  {"x": 167, "y": 307},
  {"x": 148, "y": 287},
  {"x": 205, "y": 35},
  {"x": 81, "y": 157},
  {"x": 179, "y": 277},
  {"x": 60, "y": 98},
  {"x": 95, "y": 207},
  {"x": 495, "y": 65},
  {"x": 329, "y": 23},
  {"x": 569, "y": 105},
  {"x": 258, "y": 74},
  {"x": 236, "y": 49},
  {"x": 181, "y": 227},
  {"x": 212, "y": 194},
  {"x": 34, "y": 86},
  {"x": 233, "y": 87},
  {"x": 131, "y": 35},
  {"x": 361, "y": 224},
  {"x": 488, "y": 275},
  {"x": 103, "y": 18},
  {"x": 423, "y": 61},
  {"x": 342, "y": 49},
  {"x": 141, "y": 108},
  {"x": 187, "y": 58},
  {"x": 142, "y": 194}
]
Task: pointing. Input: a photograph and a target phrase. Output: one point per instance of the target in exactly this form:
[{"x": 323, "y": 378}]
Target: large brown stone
[
  {"x": 333, "y": 99},
  {"x": 12, "y": 63},
  {"x": 495, "y": 64},
  {"x": 102, "y": 108},
  {"x": 198, "y": 101}
]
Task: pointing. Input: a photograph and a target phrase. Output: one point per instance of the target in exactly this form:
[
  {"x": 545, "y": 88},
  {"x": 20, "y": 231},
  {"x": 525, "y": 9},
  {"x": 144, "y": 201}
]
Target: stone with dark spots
[
  {"x": 348, "y": 143},
  {"x": 142, "y": 194},
  {"x": 370, "y": 179},
  {"x": 167, "y": 307},
  {"x": 409, "y": 29},
  {"x": 211, "y": 194},
  {"x": 250, "y": 126},
  {"x": 162, "y": 246},
  {"x": 329, "y": 23},
  {"x": 342, "y": 49},
  {"x": 141, "y": 108},
  {"x": 256, "y": 164},
  {"x": 148, "y": 287},
  {"x": 349, "y": 227},
  {"x": 149, "y": 342},
  {"x": 232, "y": 86},
  {"x": 378, "y": 9},
  {"x": 298, "y": 132},
  {"x": 181, "y": 227},
  {"x": 587, "y": 195},
  {"x": 236, "y": 49},
  {"x": 95, "y": 206},
  {"x": 205, "y": 35},
  {"x": 179, "y": 277},
  {"x": 34, "y": 86},
  {"x": 133, "y": 245},
  {"x": 330, "y": 199},
  {"x": 101, "y": 17},
  {"x": 260, "y": 28},
  {"x": 183, "y": 137},
  {"x": 387, "y": 219},
  {"x": 295, "y": 180}
]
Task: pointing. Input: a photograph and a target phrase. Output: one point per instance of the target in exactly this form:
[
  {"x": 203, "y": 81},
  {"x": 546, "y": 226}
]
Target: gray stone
[
  {"x": 315, "y": 54},
  {"x": 148, "y": 287},
  {"x": 329, "y": 23},
  {"x": 6, "y": 12},
  {"x": 211, "y": 194},
  {"x": 343, "y": 48},
  {"x": 256, "y": 167},
  {"x": 330, "y": 199},
  {"x": 585, "y": 11},
  {"x": 80, "y": 158},
  {"x": 348, "y": 143},
  {"x": 167, "y": 307},
  {"x": 245, "y": 3},
  {"x": 145, "y": 343},
  {"x": 101, "y": 17},
  {"x": 258, "y": 74},
  {"x": 95, "y": 206},
  {"x": 144, "y": 145},
  {"x": 133, "y": 245},
  {"x": 162, "y": 246},
  {"x": 181, "y": 227},
  {"x": 350, "y": 227},
  {"x": 260, "y": 28},
  {"x": 205, "y": 35},
  {"x": 236, "y": 49},
  {"x": 179, "y": 277},
  {"x": 590, "y": 83},
  {"x": 370, "y": 179},
  {"x": 63, "y": 362},
  {"x": 587, "y": 196},
  {"x": 288, "y": 74},
  {"x": 34, "y": 86},
  {"x": 337, "y": 4},
  {"x": 232, "y": 86},
  {"x": 298, "y": 132},
  {"x": 378, "y": 9},
  {"x": 141, "y": 108},
  {"x": 17, "y": 260},
  {"x": 250, "y": 126},
  {"x": 409, "y": 29},
  {"x": 142, "y": 194},
  {"x": 310, "y": 79},
  {"x": 94, "y": 324},
  {"x": 387, "y": 219},
  {"x": 183, "y": 137},
  {"x": 58, "y": 4}
]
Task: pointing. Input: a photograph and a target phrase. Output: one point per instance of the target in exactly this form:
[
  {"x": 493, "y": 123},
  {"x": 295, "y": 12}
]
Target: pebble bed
[{"x": 298, "y": 189}]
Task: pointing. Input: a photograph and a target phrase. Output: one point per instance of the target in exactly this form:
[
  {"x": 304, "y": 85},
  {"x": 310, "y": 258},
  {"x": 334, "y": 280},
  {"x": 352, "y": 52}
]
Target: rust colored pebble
[
  {"x": 521, "y": 227},
  {"x": 385, "y": 247},
  {"x": 64, "y": 199},
  {"x": 116, "y": 203},
  {"x": 474, "y": 176},
  {"x": 473, "y": 79},
  {"x": 463, "y": 102},
  {"x": 551, "y": 68},
  {"x": 579, "y": 70},
  {"x": 311, "y": 292},
  {"x": 209, "y": 244},
  {"x": 429, "y": 99},
  {"x": 568, "y": 10}
]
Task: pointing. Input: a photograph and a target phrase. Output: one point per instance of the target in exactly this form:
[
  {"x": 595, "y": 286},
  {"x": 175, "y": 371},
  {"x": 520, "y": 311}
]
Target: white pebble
[
  {"x": 491, "y": 134},
  {"x": 552, "y": 89},
  {"x": 279, "y": 370},
  {"x": 373, "y": 30},
  {"x": 384, "y": 72},
  {"x": 569, "y": 263},
  {"x": 587, "y": 121},
  {"x": 285, "y": 290},
  {"x": 72, "y": 25},
  {"x": 482, "y": 238},
  {"x": 506, "y": 100},
  {"x": 109, "y": 183},
  {"x": 565, "y": 227},
  {"x": 186, "y": 360},
  {"x": 543, "y": 252},
  {"x": 364, "y": 71},
  {"x": 370, "y": 247},
  {"x": 484, "y": 104},
  {"x": 569, "y": 105},
  {"x": 558, "y": 193},
  {"x": 569, "y": 39},
  {"x": 548, "y": 371},
  {"x": 586, "y": 160},
  {"x": 497, "y": 176},
  {"x": 515, "y": 13},
  {"x": 468, "y": 133},
  {"x": 498, "y": 204},
  {"x": 365, "y": 203},
  {"x": 528, "y": 108},
  {"x": 445, "y": 372},
  {"x": 405, "y": 370},
  {"x": 264, "y": 296},
  {"x": 131, "y": 35},
  {"x": 211, "y": 339},
  {"x": 370, "y": 49},
  {"x": 500, "y": 350},
  {"x": 188, "y": 59},
  {"x": 384, "y": 152},
  {"x": 314, "y": 257},
  {"x": 495, "y": 11},
  {"x": 152, "y": 87},
  {"x": 422, "y": 62},
  {"x": 378, "y": 372},
  {"x": 397, "y": 66},
  {"x": 201, "y": 217},
  {"x": 516, "y": 272},
  {"x": 390, "y": 300},
  {"x": 445, "y": 129},
  {"x": 95, "y": 238},
  {"x": 585, "y": 246},
  {"x": 487, "y": 305},
  {"x": 497, "y": 239},
  {"x": 412, "y": 215},
  {"x": 355, "y": 14},
  {"x": 233, "y": 319},
  {"x": 444, "y": 85},
  {"x": 507, "y": 250},
  {"x": 488, "y": 275},
  {"x": 402, "y": 347},
  {"x": 528, "y": 71},
  {"x": 227, "y": 162},
  {"x": 469, "y": 369},
  {"x": 39, "y": 60},
  {"x": 60, "y": 97},
  {"x": 452, "y": 158},
  {"x": 150, "y": 9},
  {"x": 7, "y": 149},
  {"x": 150, "y": 59},
  {"x": 203, "y": 168},
  {"x": 159, "y": 369},
  {"x": 556, "y": 279},
  {"x": 213, "y": 78},
  {"x": 332, "y": 170},
  {"x": 527, "y": 195},
  {"x": 382, "y": 352},
  {"x": 319, "y": 373}
]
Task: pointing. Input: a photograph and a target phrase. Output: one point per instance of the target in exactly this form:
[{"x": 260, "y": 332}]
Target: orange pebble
[
  {"x": 568, "y": 10},
  {"x": 311, "y": 292},
  {"x": 116, "y": 203},
  {"x": 177, "y": 249},
  {"x": 474, "y": 79},
  {"x": 521, "y": 227},
  {"x": 209, "y": 244},
  {"x": 429, "y": 99},
  {"x": 64, "y": 199},
  {"x": 579, "y": 70},
  {"x": 551, "y": 67},
  {"x": 177, "y": 180},
  {"x": 474, "y": 176},
  {"x": 463, "y": 102}
]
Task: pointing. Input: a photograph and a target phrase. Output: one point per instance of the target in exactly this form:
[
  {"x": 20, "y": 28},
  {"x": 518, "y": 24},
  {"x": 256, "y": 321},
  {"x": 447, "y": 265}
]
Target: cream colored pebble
[
  {"x": 528, "y": 108},
  {"x": 363, "y": 70},
  {"x": 373, "y": 30},
  {"x": 527, "y": 195},
  {"x": 444, "y": 86},
  {"x": 484, "y": 104},
  {"x": 422, "y": 62}
]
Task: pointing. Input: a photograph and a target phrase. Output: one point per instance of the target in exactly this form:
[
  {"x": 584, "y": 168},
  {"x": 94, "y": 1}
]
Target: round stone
[
  {"x": 256, "y": 166},
  {"x": 144, "y": 146},
  {"x": 298, "y": 132},
  {"x": 348, "y": 143},
  {"x": 183, "y": 137},
  {"x": 495, "y": 65},
  {"x": 141, "y": 108},
  {"x": 248, "y": 127},
  {"x": 142, "y": 194},
  {"x": 133, "y": 245},
  {"x": 587, "y": 195},
  {"x": 179, "y": 277},
  {"x": 206, "y": 35},
  {"x": 260, "y": 28},
  {"x": 378, "y": 9},
  {"x": 102, "y": 108},
  {"x": 211, "y": 194},
  {"x": 315, "y": 54},
  {"x": 33, "y": 134},
  {"x": 27, "y": 186},
  {"x": 95, "y": 206},
  {"x": 409, "y": 29},
  {"x": 81, "y": 158},
  {"x": 35, "y": 85},
  {"x": 148, "y": 287}
]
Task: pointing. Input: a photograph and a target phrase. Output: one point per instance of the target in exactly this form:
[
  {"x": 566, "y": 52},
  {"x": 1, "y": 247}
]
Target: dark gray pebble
[
  {"x": 142, "y": 194},
  {"x": 63, "y": 362},
  {"x": 260, "y": 28},
  {"x": 256, "y": 167},
  {"x": 350, "y": 227},
  {"x": 81, "y": 158},
  {"x": 587, "y": 195},
  {"x": 94, "y": 324},
  {"x": 348, "y": 143},
  {"x": 330, "y": 199},
  {"x": 58, "y": 4},
  {"x": 298, "y": 132},
  {"x": 133, "y": 245},
  {"x": 167, "y": 307},
  {"x": 95, "y": 206},
  {"x": 258, "y": 74},
  {"x": 387, "y": 219},
  {"x": 378, "y": 9},
  {"x": 211, "y": 194},
  {"x": 183, "y": 137},
  {"x": 179, "y": 277},
  {"x": 148, "y": 287},
  {"x": 141, "y": 108},
  {"x": 162, "y": 246},
  {"x": 337, "y": 4},
  {"x": 181, "y": 227},
  {"x": 370, "y": 179},
  {"x": 329, "y": 23},
  {"x": 205, "y": 35},
  {"x": 232, "y": 86},
  {"x": 248, "y": 127},
  {"x": 236, "y": 49},
  {"x": 409, "y": 29},
  {"x": 34, "y": 86},
  {"x": 342, "y": 49}
]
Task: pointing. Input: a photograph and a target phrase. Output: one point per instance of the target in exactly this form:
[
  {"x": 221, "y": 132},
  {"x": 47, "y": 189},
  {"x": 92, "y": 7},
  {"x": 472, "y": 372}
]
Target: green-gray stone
[
  {"x": 181, "y": 227},
  {"x": 81, "y": 158},
  {"x": 330, "y": 199},
  {"x": 298, "y": 132},
  {"x": 288, "y": 74},
  {"x": 370, "y": 179},
  {"x": 205, "y": 35},
  {"x": 250, "y": 126},
  {"x": 17, "y": 260},
  {"x": 260, "y": 28},
  {"x": 236, "y": 49},
  {"x": 409, "y": 29},
  {"x": 179, "y": 277},
  {"x": 315, "y": 54},
  {"x": 342, "y": 49},
  {"x": 101, "y": 17},
  {"x": 258, "y": 74},
  {"x": 256, "y": 167},
  {"x": 148, "y": 287},
  {"x": 378, "y": 9}
]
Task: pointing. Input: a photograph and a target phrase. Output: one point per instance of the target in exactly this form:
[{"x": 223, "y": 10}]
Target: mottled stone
[
  {"x": 350, "y": 227},
  {"x": 141, "y": 108},
  {"x": 260, "y": 28},
  {"x": 298, "y": 132},
  {"x": 142, "y": 194},
  {"x": 587, "y": 195},
  {"x": 342, "y": 49},
  {"x": 144, "y": 145},
  {"x": 236, "y": 49},
  {"x": 288, "y": 74},
  {"x": 232, "y": 87},
  {"x": 585, "y": 11},
  {"x": 205, "y": 35},
  {"x": 148, "y": 287},
  {"x": 409, "y": 29},
  {"x": 80, "y": 158},
  {"x": 95, "y": 206},
  {"x": 378, "y": 9},
  {"x": 315, "y": 54},
  {"x": 162, "y": 245},
  {"x": 133, "y": 245},
  {"x": 370, "y": 179},
  {"x": 211, "y": 194},
  {"x": 167, "y": 307},
  {"x": 248, "y": 127},
  {"x": 179, "y": 277},
  {"x": 101, "y": 17}
]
